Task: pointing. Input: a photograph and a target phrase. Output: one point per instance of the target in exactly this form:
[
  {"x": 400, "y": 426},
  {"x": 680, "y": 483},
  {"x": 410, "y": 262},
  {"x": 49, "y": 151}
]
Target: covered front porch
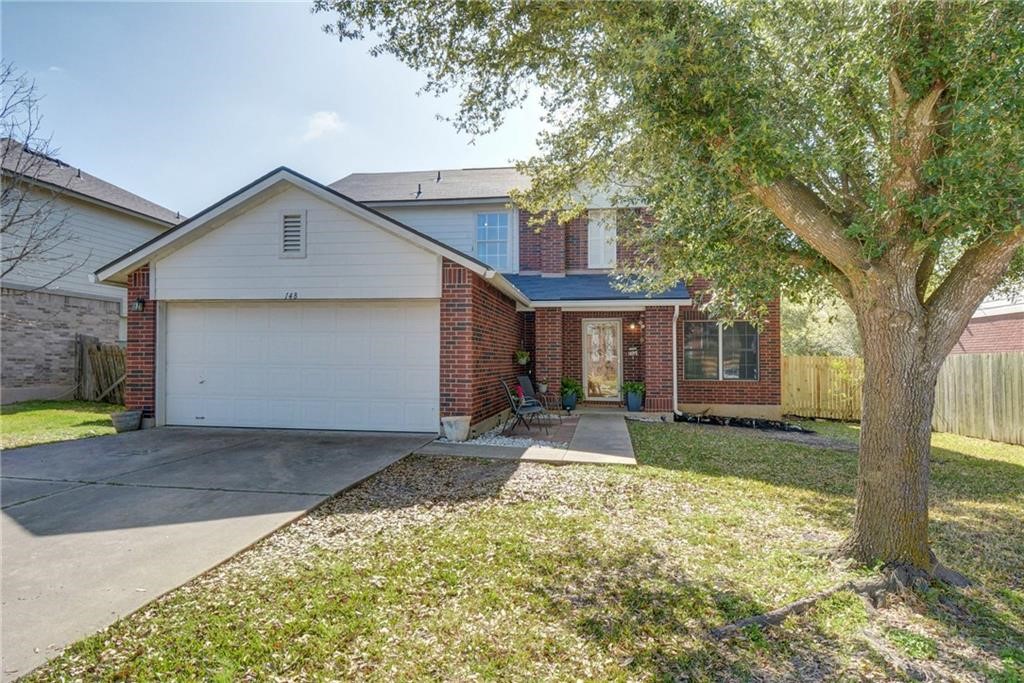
[{"x": 605, "y": 350}]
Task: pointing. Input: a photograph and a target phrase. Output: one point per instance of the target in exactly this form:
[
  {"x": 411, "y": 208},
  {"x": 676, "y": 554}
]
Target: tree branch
[
  {"x": 954, "y": 301},
  {"x": 804, "y": 213}
]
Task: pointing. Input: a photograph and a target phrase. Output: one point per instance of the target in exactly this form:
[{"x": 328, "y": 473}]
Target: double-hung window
[
  {"x": 492, "y": 239},
  {"x": 601, "y": 238},
  {"x": 713, "y": 350}
]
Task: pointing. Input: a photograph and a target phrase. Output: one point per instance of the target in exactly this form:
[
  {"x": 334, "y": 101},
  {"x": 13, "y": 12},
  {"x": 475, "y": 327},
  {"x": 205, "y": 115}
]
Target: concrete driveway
[{"x": 96, "y": 528}]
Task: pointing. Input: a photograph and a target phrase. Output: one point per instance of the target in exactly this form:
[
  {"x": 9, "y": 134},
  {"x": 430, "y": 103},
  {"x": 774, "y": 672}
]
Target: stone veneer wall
[{"x": 37, "y": 340}]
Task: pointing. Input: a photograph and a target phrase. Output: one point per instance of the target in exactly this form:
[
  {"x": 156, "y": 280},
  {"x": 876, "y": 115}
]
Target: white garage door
[{"x": 317, "y": 365}]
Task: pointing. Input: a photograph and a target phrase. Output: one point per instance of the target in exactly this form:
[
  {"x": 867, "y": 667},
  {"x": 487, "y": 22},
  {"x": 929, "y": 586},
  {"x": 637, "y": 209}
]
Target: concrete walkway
[
  {"x": 600, "y": 439},
  {"x": 96, "y": 528}
]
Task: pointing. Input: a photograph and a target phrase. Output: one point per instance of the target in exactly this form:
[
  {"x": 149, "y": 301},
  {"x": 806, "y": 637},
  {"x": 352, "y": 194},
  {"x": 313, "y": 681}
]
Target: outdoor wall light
[{"x": 139, "y": 305}]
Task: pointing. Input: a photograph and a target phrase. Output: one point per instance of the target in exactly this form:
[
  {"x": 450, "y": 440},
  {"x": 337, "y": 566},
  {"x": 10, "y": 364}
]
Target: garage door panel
[{"x": 308, "y": 365}]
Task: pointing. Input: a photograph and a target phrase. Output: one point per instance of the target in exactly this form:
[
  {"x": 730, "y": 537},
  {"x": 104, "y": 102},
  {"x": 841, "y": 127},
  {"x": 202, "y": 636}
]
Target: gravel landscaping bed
[{"x": 494, "y": 437}]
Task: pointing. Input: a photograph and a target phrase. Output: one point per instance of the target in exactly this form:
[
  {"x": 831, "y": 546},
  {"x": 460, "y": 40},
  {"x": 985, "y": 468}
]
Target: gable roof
[
  {"x": 589, "y": 287},
  {"x": 118, "y": 269},
  {"x": 424, "y": 186},
  {"x": 58, "y": 175}
]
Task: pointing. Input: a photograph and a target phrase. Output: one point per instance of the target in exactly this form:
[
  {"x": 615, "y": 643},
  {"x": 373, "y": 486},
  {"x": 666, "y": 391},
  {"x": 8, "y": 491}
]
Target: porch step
[{"x": 599, "y": 440}]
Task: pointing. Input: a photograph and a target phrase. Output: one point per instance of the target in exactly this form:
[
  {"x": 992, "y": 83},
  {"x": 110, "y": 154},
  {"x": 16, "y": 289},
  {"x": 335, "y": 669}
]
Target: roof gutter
[{"x": 506, "y": 287}]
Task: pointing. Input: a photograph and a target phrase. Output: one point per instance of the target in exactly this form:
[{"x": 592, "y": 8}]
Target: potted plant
[
  {"x": 542, "y": 386},
  {"x": 523, "y": 357},
  {"x": 634, "y": 396},
  {"x": 571, "y": 392},
  {"x": 126, "y": 420}
]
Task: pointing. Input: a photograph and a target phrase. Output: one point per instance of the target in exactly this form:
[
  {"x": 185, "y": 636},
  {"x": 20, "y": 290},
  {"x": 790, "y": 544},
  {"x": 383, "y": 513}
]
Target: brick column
[
  {"x": 140, "y": 352},
  {"x": 456, "y": 340},
  {"x": 658, "y": 358},
  {"x": 548, "y": 344}
]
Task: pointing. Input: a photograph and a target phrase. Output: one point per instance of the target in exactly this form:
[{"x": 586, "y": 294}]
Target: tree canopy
[{"x": 776, "y": 143}]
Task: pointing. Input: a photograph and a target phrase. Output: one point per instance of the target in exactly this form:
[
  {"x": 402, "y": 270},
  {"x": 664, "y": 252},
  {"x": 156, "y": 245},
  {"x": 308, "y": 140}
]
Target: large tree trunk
[{"x": 891, "y": 520}]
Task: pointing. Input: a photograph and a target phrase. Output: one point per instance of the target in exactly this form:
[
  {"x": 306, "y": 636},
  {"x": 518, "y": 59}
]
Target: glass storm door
[{"x": 602, "y": 359}]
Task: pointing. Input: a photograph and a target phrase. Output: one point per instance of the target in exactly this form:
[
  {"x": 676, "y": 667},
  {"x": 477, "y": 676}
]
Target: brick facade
[
  {"x": 766, "y": 390},
  {"x": 576, "y": 244},
  {"x": 39, "y": 356},
  {"x": 556, "y": 249},
  {"x": 140, "y": 353},
  {"x": 658, "y": 359},
  {"x": 557, "y": 349},
  {"x": 992, "y": 334},
  {"x": 480, "y": 333},
  {"x": 547, "y": 352},
  {"x": 456, "y": 340}
]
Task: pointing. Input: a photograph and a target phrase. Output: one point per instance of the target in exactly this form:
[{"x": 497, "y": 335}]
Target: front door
[{"x": 602, "y": 359}]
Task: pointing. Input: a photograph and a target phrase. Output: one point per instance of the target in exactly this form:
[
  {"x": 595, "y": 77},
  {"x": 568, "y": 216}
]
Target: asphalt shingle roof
[
  {"x": 64, "y": 177},
  {"x": 597, "y": 287},
  {"x": 458, "y": 183}
]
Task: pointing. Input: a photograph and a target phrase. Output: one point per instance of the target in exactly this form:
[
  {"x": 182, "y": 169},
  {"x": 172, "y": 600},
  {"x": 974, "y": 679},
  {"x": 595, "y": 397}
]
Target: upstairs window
[
  {"x": 293, "y": 234},
  {"x": 492, "y": 239},
  {"x": 712, "y": 350},
  {"x": 601, "y": 239}
]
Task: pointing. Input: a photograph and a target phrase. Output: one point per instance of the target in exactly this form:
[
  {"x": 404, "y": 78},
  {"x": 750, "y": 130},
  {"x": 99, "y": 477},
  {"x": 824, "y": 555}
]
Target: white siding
[
  {"x": 96, "y": 237},
  {"x": 346, "y": 258},
  {"x": 456, "y": 225}
]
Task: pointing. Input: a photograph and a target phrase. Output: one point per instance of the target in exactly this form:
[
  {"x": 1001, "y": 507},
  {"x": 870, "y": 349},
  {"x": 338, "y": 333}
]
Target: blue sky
[{"x": 184, "y": 103}]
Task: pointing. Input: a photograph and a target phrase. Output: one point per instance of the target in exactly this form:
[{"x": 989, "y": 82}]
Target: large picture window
[
  {"x": 492, "y": 239},
  {"x": 713, "y": 350}
]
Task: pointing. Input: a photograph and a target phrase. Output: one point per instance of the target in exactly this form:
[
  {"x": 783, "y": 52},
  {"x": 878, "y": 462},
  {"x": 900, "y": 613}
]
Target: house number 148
[{"x": 291, "y": 295}]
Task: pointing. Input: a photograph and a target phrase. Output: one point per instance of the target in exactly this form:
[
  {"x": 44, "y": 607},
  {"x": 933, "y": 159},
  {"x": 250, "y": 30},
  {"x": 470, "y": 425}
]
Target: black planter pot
[
  {"x": 634, "y": 402},
  {"x": 569, "y": 401}
]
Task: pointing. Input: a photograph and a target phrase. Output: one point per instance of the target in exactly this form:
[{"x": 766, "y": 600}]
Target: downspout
[{"x": 675, "y": 360}]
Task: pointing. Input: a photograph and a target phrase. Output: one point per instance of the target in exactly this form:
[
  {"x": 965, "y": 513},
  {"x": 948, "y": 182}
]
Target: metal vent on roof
[{"x": 293, "y": 234}]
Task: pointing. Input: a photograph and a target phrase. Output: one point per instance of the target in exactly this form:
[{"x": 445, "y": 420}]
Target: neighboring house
[
  {"x": 997, "y": 325},
  {"x": 387, "y": 301},
  {"x": 49, "y": 299}
]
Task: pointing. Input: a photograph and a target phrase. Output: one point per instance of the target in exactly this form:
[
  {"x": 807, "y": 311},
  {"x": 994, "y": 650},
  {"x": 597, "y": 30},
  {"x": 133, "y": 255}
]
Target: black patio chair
[
  {"x": 521, "y": 412},
  {"x": 530, "y": 395}
]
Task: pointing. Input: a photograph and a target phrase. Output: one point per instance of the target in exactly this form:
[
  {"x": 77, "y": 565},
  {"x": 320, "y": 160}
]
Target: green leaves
[{"x": 684, "y": 106}]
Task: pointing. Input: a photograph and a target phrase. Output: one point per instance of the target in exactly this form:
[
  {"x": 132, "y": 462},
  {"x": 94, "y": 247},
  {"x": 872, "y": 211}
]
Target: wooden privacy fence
[
  {"x": 981, "y": 394},
  {"x": 101, "y": 371},
  {"x": 822, "y": 386},
  {"x": 977, "y": 394}
]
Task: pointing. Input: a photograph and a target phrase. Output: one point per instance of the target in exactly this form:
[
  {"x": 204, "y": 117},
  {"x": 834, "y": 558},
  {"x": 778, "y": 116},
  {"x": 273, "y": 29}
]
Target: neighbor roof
[
  {"x": 59, "y": 175},
  {"x": 598, "y": 287},
  {"x": 423, "y": 186}
]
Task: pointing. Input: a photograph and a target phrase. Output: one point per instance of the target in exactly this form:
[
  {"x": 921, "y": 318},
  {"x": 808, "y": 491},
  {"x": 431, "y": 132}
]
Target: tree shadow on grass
[{"x": 657, "y": 623}]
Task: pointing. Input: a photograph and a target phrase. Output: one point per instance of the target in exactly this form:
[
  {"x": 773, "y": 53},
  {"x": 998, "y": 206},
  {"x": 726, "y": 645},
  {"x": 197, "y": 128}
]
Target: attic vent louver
[{"x": 293, "y": 234}]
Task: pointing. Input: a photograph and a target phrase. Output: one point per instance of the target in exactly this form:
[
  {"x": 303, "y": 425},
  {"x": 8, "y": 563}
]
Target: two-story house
[
  {"x": 386, "y": 301},
  {"x": 70, "y": 223}
]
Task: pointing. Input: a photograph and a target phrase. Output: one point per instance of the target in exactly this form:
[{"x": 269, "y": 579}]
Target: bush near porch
[
  {"x": 34, "y": 422},
  {"x": 454, "y": 569}
]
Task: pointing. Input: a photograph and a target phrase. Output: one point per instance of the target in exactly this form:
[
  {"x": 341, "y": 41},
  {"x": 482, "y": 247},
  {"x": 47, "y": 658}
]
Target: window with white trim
[
  {"x": 492, "y": 239},
  {"x": 293, "y": 234},
  {"x": 601, "y": 238},
  {"x": 713, "y": 350}
]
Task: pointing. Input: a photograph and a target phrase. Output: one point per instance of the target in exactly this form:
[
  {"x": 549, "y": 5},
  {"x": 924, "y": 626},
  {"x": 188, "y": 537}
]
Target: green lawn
[
  {"x": 449, "y": 569},
  {"x": 34, "y": 422}
]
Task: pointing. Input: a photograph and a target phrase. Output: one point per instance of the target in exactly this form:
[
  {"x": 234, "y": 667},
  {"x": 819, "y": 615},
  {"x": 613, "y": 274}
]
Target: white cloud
[
  {"x": 56, "y": 69},
  {"x": 322, "y": 123}
]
